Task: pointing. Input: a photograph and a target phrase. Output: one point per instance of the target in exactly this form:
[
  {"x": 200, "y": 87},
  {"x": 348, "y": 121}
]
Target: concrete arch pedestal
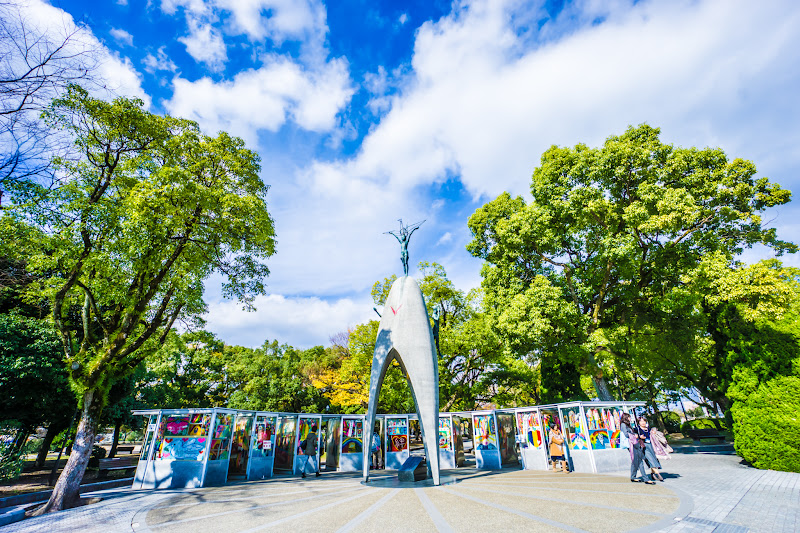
[{"x": 405, "y": 335}]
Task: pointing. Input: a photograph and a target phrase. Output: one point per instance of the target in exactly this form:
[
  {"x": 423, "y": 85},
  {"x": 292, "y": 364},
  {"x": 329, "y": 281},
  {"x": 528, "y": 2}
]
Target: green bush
[
  {"x": 62, "y": 439},
  {"x": 10, "y": 468},
  {"x": 766, "y": 425},
  {"x": 696, "y": 412},
  {"x": 700, "y": 423},
  {"x": 98, "y": 452},
  {"x": 31, "y": 446},
  {"x": 134, "y": 435}
]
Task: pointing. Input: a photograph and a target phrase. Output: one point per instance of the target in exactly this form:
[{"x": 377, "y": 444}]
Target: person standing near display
[
  {"x": 376, "y": 449},
  {"x": 557, "y": 449},
  {"x": 636, "y": 447},
  {"x": 660, "y": 444},
  {"x": 649, "y": 453},
  {"x": 309, "y": 451}
]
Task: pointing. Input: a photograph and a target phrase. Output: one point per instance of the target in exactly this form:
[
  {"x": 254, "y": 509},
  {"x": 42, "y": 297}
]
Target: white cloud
[
  {"x": 159, "y": 62},
  {"x": 479, "y": 107},
  {"x": 205, "y": 44},
  {"x": 266, "y": 98},
  {"x": 303, "y": 322},
  {"x": 444, "y": 239},
  {"x": 275, "y": 19},
  {"x": 117, "y": 74},
  {"x": 122, "y": 36},
  {"x": 402, "y": 19},
  {"x": 303, "y": 21}
]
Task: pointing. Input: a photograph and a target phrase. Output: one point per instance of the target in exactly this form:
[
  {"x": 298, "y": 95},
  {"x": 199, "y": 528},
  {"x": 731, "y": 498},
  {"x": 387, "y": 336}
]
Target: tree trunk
[
  {"x": 52, "y": 431},
  {"x": 19, "y": 441},
  {"x": 601, "y": 388},
  {"x": 66, "y": 492},
  {"x": 659, "y": 420},
  {"x": 114, "y": 444}
]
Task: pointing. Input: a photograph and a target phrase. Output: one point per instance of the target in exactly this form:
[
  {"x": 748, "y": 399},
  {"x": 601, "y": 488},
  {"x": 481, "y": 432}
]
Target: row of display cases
[{"x": 202, "y": 447}]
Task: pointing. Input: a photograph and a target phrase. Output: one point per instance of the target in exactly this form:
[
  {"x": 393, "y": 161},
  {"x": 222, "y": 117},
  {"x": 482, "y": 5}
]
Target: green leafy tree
[
  {"x": 607, "y": 230},
  {"x": 275, "y": 377},
  {"x": 187, "y": 370},
  {"x": 34, "y": 385},
  {"x": 342, "y": 376},
  {"x": 150, "y": 209},
  {"x": 121, "y": 401},
  {"x": 719, "y": 321}
]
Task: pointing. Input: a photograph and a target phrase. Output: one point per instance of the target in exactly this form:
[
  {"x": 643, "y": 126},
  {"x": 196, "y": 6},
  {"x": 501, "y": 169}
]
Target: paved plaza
[{"x": 702, "y": 493}]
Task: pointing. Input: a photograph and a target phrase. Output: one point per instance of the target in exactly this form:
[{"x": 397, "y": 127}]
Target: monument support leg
[{"x": 405, "y": 335}]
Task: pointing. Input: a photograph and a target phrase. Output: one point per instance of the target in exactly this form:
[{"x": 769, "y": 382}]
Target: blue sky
[{"x": 365, "y": 112}]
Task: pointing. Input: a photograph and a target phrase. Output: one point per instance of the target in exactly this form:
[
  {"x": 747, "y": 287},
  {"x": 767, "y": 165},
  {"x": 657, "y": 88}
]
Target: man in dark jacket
[{"x": 309, "y": 448}]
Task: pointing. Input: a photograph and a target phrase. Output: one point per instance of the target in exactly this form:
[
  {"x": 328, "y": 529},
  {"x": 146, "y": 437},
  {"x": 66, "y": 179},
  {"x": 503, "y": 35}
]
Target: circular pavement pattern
[{"x": 467, "y": 500}]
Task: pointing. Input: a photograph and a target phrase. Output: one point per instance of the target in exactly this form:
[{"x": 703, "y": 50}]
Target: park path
[
  {"x": 730, "y": 497},
  {"x": 702, "y": 493}
]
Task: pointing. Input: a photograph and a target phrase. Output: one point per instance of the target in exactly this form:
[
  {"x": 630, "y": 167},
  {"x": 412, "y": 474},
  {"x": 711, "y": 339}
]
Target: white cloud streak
[
  {"x": 305, "y": 322},
  {"x": 208, "y": 21},
  {"x": 265, "y": 98},
  {"x": 122, "y": 36}
]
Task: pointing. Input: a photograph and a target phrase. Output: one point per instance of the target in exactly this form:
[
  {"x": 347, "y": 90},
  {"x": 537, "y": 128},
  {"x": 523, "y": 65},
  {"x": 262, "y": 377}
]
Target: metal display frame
[
  {"x": 262, "y": 467},
  {"x": 159, "y": 473},
  {"x": 447, "y": 456},
  {"x": 353, "y": 461},
  {"x": 295, "y": 460},
  {"x": 533, "y": 456},
  {"x": 394, "y": 460},
  {"x": 216, "y": 470},
  {"x": 486, "y": 459}
]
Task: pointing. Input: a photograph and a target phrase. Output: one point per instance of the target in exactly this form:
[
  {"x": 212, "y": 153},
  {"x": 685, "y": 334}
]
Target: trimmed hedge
[
  {"x": 699, "y": 423},
  {"x": 767, "y": 425}
]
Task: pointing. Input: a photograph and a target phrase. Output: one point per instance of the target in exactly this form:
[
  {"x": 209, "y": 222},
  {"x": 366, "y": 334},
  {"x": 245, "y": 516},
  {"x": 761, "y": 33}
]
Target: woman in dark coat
[
  {"x": 643, "y": 431},
  {"x": 636, "y": 448}
]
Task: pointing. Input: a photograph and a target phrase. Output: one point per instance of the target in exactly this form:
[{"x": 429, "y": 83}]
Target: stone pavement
[
  {"x": 729, "y": 497},
  {"x": 703, "y": 493}
]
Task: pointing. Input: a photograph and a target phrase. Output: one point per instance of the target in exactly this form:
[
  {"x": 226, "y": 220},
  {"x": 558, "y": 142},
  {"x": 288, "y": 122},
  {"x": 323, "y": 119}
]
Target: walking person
[
  {"x": 644, "y": 431},
  {"x": 636, "y": 448},
  {"x": 557, "y": 449},
  {"x": 308, "y": 449},
  {"x": 660, "y": 445},
  {"x": 376, "y": 449}
]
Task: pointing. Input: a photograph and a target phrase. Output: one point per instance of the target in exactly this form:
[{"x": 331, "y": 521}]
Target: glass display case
[{"x": 351, "y": 458}]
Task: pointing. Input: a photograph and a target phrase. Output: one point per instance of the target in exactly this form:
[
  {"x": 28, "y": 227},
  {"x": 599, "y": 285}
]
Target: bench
[
  {"x": 697, "y": 434},
  {"x": 125, "y": 449},
  {"x": 127, "y": 464}
]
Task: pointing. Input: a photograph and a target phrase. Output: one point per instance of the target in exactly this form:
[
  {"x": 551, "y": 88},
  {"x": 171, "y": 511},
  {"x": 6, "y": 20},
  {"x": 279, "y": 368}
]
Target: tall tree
[
  {"x": 34, "y": 384},
  {"x": 148, "y": 212},
  {"x": 607, "y": 230}
]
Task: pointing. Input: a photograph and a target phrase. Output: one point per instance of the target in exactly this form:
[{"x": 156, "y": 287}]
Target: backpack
[{"x": 624, "y": 439}]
